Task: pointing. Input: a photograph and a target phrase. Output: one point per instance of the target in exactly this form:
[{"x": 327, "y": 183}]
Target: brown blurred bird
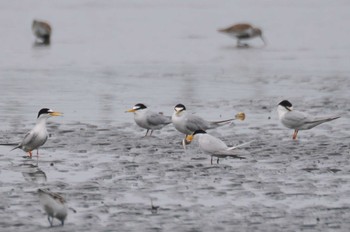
[
  {"x": 42, "y": 31},
  {"x": 243, "y": 31},
  {"x": 54, "y": 205}
]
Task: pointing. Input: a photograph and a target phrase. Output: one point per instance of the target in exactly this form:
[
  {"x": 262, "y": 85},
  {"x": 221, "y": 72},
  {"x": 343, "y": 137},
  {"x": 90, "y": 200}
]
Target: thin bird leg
[
  {"x": 211, "y": 160},
  {"x": 146, "y": 132},
  {"x": 295, "y": 134},
  {"x": 50, "y": 221},
  {"x": 62, "y": 222},
  {"x": 151, "y": 133},
  {"x": 217, "y": 161},
  {"x": 30, "y": 154},
  {"x": 184, "y": 144}
]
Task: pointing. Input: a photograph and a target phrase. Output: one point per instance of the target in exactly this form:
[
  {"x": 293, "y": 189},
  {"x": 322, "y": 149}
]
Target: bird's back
[{"x": 211, "y": 145}]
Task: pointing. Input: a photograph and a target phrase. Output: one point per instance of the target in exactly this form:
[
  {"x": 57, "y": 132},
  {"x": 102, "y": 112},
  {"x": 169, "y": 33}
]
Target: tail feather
[
  {"x": 16, "y": 147},
  {"x": 223, "y": 122},
  {"x": 240, "y": 145},
  {"x": 9, "y": 144},
  {"x": 319, "y": 121}
]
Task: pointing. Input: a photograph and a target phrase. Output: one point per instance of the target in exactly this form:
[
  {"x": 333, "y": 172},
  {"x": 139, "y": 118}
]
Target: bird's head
[
  {"x": 137, "y": 107},
  {"x": 179, "y": 108},
  {"x": 46, "y": 113}
]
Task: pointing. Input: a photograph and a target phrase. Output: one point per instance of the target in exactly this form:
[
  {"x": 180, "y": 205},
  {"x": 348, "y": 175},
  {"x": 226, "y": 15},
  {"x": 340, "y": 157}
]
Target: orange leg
[
  {"x": 295, "y": 134},
  {"x": 30, "y": 154}
]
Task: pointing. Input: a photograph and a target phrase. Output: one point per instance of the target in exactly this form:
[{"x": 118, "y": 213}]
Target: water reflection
[
  {"x": 32, "y": 173},
  {"x": 39, "y": 44}
]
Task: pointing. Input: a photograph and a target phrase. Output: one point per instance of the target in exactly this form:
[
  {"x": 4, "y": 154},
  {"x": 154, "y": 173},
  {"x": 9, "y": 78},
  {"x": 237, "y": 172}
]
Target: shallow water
[{"x": 107, "y": 56}]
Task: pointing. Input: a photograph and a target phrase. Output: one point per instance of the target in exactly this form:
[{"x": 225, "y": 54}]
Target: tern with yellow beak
[
  {"x": 38, "y": 135},
  {"x": 188, "y": 123},
  {"x": 148, "y": 119},
  {"x": 297, "y": 120},
  {"x": 214, "y": 146}
]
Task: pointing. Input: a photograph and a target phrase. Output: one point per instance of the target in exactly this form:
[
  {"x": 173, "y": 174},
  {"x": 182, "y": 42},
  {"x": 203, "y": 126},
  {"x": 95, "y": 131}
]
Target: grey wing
[
  {"x": 29, "y": 138},
  {"x": 156, "y": 119},
  {"x": 214, "y": 145},
  {"x": 194, "y": 123},
  {"x": 295, "y": 119}
]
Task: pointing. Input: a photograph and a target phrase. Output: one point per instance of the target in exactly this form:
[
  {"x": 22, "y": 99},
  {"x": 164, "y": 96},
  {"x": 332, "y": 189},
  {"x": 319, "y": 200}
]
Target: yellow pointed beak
[
  {"x": 131, "y": 110},
  {"x": 189, "y": 138},
  {"x": 56, "y": 114},
  {"x": 240, "y": 116}
]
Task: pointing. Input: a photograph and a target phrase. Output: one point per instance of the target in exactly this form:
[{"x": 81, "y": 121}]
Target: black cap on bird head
[
  {"x": 139, "y": 106},
  {"x": 180, "y": 107},
  {"x": 286, "y": 104},
  {"x": 44, "y": 111}
]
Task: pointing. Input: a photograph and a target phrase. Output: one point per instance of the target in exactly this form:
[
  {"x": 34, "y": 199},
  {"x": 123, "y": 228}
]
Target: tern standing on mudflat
[
  {"x": 297, "y": 120},
  {"x": 214, "y": 146},
  {"x": 38, "y": 135},
  {"x": 148, "y": 119},
  {"x": 188, "y": 123}
]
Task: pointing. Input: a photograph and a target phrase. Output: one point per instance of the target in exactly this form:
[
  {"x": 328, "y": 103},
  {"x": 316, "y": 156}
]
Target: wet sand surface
[{"x": 107, "y": 56}]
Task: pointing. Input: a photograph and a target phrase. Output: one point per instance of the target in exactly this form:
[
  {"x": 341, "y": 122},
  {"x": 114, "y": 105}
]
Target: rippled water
[{"x": 106, "y": 56}]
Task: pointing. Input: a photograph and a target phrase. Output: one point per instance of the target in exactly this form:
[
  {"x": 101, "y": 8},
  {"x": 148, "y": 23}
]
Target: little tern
[
  {"x": 38, "y": 135},
  {"x": 188, "y": 123},
  {"x": 214, "y": 146},
  {"x": 297, "y": 120},
  {"x": 148, "y": 119},
  {"x": 54, "y": 205}
]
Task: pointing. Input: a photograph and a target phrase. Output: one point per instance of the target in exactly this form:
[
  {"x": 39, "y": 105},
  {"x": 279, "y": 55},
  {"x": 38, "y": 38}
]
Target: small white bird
[
  {"x": 54, "y": 205},
  {"x": 214, "y": 146},
  {"x": 42, "y": 30},
  {"x": 298, "y": 120},
  {"x": 243, "y": 31},
  {"x": 38, "y": 135},
  {"x": 189, "y": 123},
  {"x": 148, "y": 119}
]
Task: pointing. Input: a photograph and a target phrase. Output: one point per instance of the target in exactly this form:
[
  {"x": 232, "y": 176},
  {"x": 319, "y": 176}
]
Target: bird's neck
[
  {"x": 281, "y": 111},
  {"x": 41, "y": 122}
]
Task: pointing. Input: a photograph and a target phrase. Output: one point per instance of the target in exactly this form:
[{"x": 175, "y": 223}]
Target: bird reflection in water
[{"x": 32, "y": 173}]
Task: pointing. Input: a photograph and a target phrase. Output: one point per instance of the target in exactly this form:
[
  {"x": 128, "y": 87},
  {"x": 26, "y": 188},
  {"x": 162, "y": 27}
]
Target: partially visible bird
[
  {"x": 148, "y": 119},
  {"x": 297, "y": 120},
  {"x": 54, "y": 205},
  {"x": 42, "y": 31},
  {"x": 188, "y": 123},
  {"x": 38, "y": 135},
  {"x": 243, "y": 31},
  {"x": 214, "y": 146}
]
